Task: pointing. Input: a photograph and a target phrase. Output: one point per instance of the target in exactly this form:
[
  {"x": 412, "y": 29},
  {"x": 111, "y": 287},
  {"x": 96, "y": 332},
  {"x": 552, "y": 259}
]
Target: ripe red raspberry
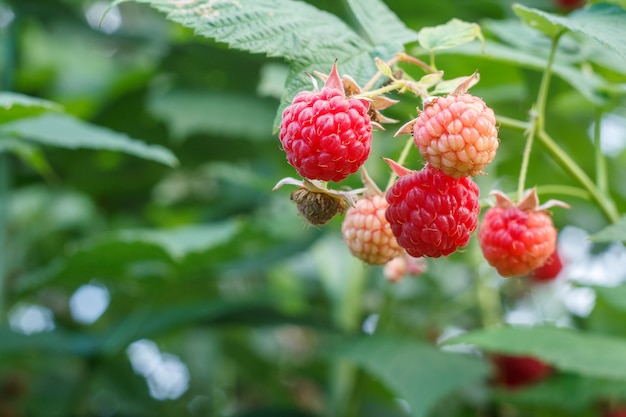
[
  {"x": 549, "y": 270},
  {"x": 518, "y": 371},
  {"x": 326, "y": 135},
  {"x": 457, "y": 134},
  {"x": 367, "y": 232},
  {"x": 432, "y": 214},
  {"x": 515, "y": 239}
]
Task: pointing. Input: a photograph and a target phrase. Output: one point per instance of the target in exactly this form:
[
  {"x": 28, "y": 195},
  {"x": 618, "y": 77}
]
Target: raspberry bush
[{"x": 353, "y": 208}]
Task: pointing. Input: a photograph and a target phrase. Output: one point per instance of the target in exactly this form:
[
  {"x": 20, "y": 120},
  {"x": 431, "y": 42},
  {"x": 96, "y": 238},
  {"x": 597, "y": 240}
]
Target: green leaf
[
  {"x": 614, "y": 296},
  {"x": 545, "y": 22},
  {"x": 602, "y": 22},
  {"x": 574, "y": 351},
  {"x": 30, "y": 154},
  {"x": 182, "y": 241},
  {"x": 612, "y": 233},
  {"x": 152, "y": 322},
  {"x": 416, "y": 372},
  {"x": 289, "y": 29},
  {"x": 224, "y": 114},
  {"x": 453, "y": 33},
  {"x": 56, "y": 341},
  {"x": 565, "y": 392},
  {"x": 65, "y": 131},
  {"x": 380, "y": 24},
  {"x": 590, "y": 85},
  {"x": 15, "y": 106}
]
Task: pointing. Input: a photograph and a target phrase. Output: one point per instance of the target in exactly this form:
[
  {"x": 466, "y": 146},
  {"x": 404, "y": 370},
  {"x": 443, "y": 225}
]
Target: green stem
[
  {"x": 601, "y": 175},
  {"x": 487, "y": 293},
  {"x": 530, "y": 137},
  {"x": 511, "y": 123},
  {"x": 537, "y": 117},
  {"x": 401, "y": 159},
  {"x": 573, "y": 169}
]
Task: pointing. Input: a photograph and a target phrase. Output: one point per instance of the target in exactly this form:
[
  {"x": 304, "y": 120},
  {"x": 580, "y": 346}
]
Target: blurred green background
[{"x": 136, "y": 288}]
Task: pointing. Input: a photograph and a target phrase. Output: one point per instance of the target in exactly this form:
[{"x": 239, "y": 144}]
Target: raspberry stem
[
  {"x": 537, "y": 116},
  {"x": 601, "y": 175},
  {"x": 568, "y": 165},
  {"x": 401, "y": 159}
]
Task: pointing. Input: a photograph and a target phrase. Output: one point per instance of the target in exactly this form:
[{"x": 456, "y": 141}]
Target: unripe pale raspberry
[
  {"x": 367, "y": 233},
  {"x": 432, "y": 214},
  {"x": 515, "y": 239},
  {"x": 457, "y": 134},
  {"x": 326, "y": 135}
]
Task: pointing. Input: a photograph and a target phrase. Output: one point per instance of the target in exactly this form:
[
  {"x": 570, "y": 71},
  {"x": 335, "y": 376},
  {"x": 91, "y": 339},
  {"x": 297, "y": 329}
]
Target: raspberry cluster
[{"x": 432, "y": 212}]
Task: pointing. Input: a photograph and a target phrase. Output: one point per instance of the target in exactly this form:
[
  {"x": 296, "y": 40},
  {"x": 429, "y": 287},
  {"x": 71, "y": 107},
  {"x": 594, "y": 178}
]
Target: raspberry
[
  {"x": 326, "y": 135},
  {"x": 549, "y": 270},
  {"x": 515, "y": 239},
  {"x": 432, "y": 214},
  {"x": 367, "y": 233},
  {"x": 519, "y": 371},
  {"x": 457, "y": 134}
]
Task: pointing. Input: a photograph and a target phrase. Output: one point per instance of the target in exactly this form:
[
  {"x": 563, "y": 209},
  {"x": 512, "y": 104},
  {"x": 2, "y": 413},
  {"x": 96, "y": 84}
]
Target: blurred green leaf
[
  {"x": 615, "y": 296},
  {"x": 612, "y": 233},
  {"x": 453, "y": 33},
  {"x": 29, "y": 153},
  {"x": 585, "y": 353},
  {"x": 56, "y": 341},
  {"x": 218, "y": 113},
  {"x": 416, "y": 372},
  {"x": 564, "y": 391},
  {"x": 602, "y": 22},
  {"x": 593, "y": 87},
  {"x": 65, "y": 131},
  {"x": 182, "y": 241},
  {"x": 14, "y": 106},
  {"x": 380, "y": 24}
]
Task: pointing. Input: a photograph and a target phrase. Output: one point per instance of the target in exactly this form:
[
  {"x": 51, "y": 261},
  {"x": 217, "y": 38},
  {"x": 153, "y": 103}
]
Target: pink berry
[{"x": 457, "y": 134}]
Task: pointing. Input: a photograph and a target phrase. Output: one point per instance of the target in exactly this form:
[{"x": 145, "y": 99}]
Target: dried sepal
[
  {"x": 406, "y": 129},
  {"x": 466, "y": 84},
  {"x": 317, "y": 203}
]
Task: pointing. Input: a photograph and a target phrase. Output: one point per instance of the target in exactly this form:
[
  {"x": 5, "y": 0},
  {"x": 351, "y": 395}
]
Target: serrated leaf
[
  {"x": 8, "y": 100},
  {"x": 289, "y": 29},
  {"x": 453, "y": 33},
  {"x": 612, "y": 233},
  {"x": 65, "y": 131},
  {"x": 584, "y": 353},
  {"x": 225, "y": 114},
  {"x": 416, "y": 372},
  {"x": 380, "y": 24},
  {"x": 602, "y": 22}
]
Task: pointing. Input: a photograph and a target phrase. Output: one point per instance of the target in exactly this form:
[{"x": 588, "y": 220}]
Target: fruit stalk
[
  {"x": 601, "y": 176},
  {"x": 537, "y": 116}
]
